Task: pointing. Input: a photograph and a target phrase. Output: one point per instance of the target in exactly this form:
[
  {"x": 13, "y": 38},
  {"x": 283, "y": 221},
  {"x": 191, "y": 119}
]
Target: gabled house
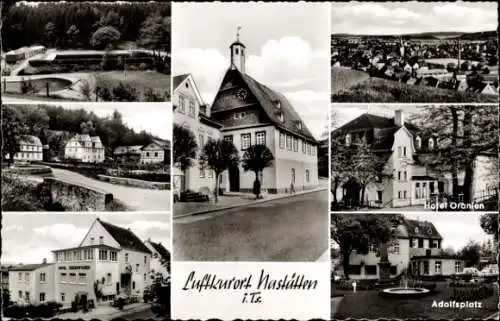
[
  {"x": 402, "y": 147},
  {"x": 160, "y": 260},
  {"x": 84, "y": 148},
  {"x": 30, "y": 149},
  {"x": 156, "y": 152},
  {"x": 416, "y": 250}
]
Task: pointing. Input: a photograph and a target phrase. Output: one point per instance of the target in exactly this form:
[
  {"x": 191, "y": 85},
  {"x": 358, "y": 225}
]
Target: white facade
[
  {"x": 32, "y": 284},
  {"x": 152, "y": 154},
  {"x": 30, "y": 149},
  {"x": 85, "y": 148}
]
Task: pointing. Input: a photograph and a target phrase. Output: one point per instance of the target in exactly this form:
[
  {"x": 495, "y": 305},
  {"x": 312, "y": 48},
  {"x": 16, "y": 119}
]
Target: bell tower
[{"x": 237, "y": 50}]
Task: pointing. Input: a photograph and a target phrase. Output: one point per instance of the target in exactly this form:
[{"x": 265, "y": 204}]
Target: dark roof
[
  {"x": 422, "y": 229},
  {"x": 237, "y": 42},
  {"x": 208, "y": 121},
  {"x": 101, "y": 246},
  {"x": 125, "y": 237},
  {"x": 164, "y": 253},
  {"x": 179, "y": 79},
  {"x": 267, "y": 98},
  {"x": 29, "y": 267}
]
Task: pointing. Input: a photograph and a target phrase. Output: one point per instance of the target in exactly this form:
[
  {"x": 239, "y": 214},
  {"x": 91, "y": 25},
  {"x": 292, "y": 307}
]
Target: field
[
  {"x": 387, "y": 91},
  {"x": 344, "y": 78}
]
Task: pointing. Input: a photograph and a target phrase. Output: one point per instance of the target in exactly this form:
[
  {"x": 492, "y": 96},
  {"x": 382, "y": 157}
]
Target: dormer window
[
  {"x": 418, "y": 142},
  {"x": 187, "y": 85},
  {"x": 277, "y": 104},
  {"x": 281, "y": 117},
  {"x": 348, "y": 140},
  {"x": 299, "y": 125}
]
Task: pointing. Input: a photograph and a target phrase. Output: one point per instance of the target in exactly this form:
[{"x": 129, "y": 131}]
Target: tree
[
  {"x": 368, "y": 167},
  {"x": 451, "y": 66},
  {"x": 72, "y": 34},
  {"x": 359, "y": 231},
  {"x": 13, "y": 130},
  {"x": 471, "y": 253},
  {"x": 219, "y": 155},
  {"x": 155, "y": 35},
  {"x": 50, "y": 32},
  {"x": 185, "y": 147},
  {"x": 105, "y": 37},
  {"x": 489, "y": 224},
  {"x": 255, "y": 159},
  {"x": 341, "y": 164}
]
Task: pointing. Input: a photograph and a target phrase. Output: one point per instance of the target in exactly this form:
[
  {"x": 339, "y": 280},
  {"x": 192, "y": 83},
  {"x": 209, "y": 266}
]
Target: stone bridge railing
[{"x": 74, "y": 197}]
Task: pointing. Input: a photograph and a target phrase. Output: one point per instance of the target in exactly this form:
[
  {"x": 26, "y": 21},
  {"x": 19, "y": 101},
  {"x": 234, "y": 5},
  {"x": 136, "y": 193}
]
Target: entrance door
[
  {"x": 441, "y": 187},
  {"x": 426, "y": 267},
  {"x": 234, "y": 179}
]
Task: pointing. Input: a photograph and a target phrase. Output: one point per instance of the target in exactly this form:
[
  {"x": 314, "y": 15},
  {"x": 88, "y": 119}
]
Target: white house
[
  {"x": 84, "y": 148},
  {"x": 30, "y": 149},
  {"x": 32, "y": 283},
  {"x": 247, "y": 113},
  {"x": 416, "y": 251}
]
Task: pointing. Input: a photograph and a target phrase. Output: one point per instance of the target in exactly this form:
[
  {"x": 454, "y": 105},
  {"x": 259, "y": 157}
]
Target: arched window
[
  {"x": 431, "y": 143},
  {"x": 348, "y": 139},
  {"x": 418, "y": 142}
]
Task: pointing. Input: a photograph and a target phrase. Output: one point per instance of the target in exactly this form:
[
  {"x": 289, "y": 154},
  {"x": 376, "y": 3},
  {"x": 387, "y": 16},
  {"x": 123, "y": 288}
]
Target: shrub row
[
  {"x": 44, "y": 310},
  {"x": 472, "y": 293},
  {"x": 163, "y": 177}
]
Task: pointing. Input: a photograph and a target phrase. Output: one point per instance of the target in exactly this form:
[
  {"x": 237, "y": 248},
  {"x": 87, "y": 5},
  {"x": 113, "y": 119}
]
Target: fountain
[{"x": 404, "y": 290}]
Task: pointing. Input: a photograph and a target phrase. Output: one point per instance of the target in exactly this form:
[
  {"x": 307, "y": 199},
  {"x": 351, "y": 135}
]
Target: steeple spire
[
  {"x": 237, "y": 50},
  {"x": 238, "y": 33}
]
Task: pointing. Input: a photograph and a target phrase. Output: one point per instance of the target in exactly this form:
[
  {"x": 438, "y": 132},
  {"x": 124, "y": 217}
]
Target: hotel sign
[{"x": 75, "y": 267}]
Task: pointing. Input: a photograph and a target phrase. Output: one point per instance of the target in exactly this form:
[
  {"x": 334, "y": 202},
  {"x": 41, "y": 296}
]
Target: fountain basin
[{"x": 405, "y": 292}]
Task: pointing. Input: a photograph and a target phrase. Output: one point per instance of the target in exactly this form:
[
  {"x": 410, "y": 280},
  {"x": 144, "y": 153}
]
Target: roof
[
  {"x": 30, "y": 140},
  {"x": 125, "y": 237},
  {"x": 179, "y": 79},
  {"x": 135, "y": 149},
  {"x": 421, "y": 229},
  {"x": 237, "y": 42},
  {"x": 29, "y": 267},
  {"x": 423, "y": 178},
  {"x": 267, "y": 98},
  {"x": 88, "y": 247},
  {"x": 164, "y": 253}
]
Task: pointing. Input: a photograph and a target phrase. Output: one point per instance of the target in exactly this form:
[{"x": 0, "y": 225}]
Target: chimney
[
  {"x": 44, "y": 261},
  {"x": 399, "y": 118}
]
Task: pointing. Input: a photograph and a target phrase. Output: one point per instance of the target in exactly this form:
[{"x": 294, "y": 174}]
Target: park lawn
[
  {"x": 140, "y": 80},
  {"x": 383, "y": 90},
  {"x": 369, "y": 304}
]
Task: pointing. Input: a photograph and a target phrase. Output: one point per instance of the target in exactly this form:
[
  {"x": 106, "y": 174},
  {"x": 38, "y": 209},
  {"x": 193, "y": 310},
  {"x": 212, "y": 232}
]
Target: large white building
[
  {"x": 417, "y": 251},
  {"x": 247, "y": 113},
  {"x": 401, "y": 145},
  {"x": 30, "y": 149},
  {"x": 84, "y": 148},
  {"x": 109, "y": 261}
]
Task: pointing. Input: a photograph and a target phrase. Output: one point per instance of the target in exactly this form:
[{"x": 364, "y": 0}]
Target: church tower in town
[{"x": 238, "y": 53}]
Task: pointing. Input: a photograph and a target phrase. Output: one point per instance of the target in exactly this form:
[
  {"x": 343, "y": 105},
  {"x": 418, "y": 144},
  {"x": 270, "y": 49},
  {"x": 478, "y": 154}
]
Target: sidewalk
[
  {"x": 105, "y": 312},
  {"x": 233, "y": 200}
]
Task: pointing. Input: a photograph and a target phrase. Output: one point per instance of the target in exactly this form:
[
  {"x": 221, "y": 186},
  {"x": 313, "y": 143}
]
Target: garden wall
[{"x": 135, "y": 182}]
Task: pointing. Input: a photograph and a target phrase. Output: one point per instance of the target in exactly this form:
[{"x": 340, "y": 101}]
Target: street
[
  {"x": 134, "y": 198},
  {"x": 146, "y": 314},
  {"x": 287, "y": 229}
]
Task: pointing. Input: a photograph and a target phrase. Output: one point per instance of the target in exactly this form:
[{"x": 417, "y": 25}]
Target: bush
[
  {"x": 151, "y": 96},
  {"x": 43, "y": 310},
  {"x": 125, "y": 93},
  {"x": 21, "y": 195},
  {"x": 478, "y": 292}
]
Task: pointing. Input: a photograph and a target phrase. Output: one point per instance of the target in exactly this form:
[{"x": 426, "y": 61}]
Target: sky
[
  {"x": 456, "y": 229},
  {"x": 155, "y": 118},
  {"x": 29, "y": 238},
  {"x": 282, "y": 51},
  {"x": 386, "y": 18}
]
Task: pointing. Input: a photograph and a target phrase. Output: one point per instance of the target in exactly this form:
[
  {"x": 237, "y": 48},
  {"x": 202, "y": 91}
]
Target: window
[
  {"x": 112, "y": 255},
  {"x": 201, "y": 140},
  {"x": 182, "y": 108},
  {"x": 133, "y": 285},
  {"x": 379, "y": 196},
  {"x": 260, "y": 138},
  {"x": 354, "y": 269},
  {"x": 245, "y": 141},
  {"x": 437, "y": 267},
  {"x": 228, "y": 138},
  {"x": 63, "y": 277},
  {"x": 126, "y": 257},
  {"x": 399, "y": 194},
  {"x": 348, "y": 139},
  {"x": 191, "y": 109},
  {"x": 405, "y": 174},
  {"x": 435, "y": 244},
  {"x": 91, "y": 241},
  {"x": 77, "y": 255},
  {"x": 145, "y": 277},
  {"x": 414, "y": 243},
  {"x": 145, "y": 259},
  {"x": 108, "y": 278},
  {"x": 27, "y": 276},
  {"x": 418, "y": 142},
  {"x": 88, "y": 254},
  {"x": 202, "y": 171},
  {"x": 82, "y": 278},
  {"x": 405, "y": 195},
  {"x": 209, "y": 172},
  {"x": 295, "y": 144},
  {"x": 404, "y": 151},
  {"x": 101, "y": 239},
  {"x": 289, "y": 142},
  {"x": 236, "y": 51},
  {"x": 307, "y": 176},
  {"x": 20, "y": 276},
  {"x": 431, "y": 143},
  {"x": 313, "y": 150},
  {"x": 42, "y": 277},
  {"x": 72, "y": 277},
  {"x": 282, "y": 140},
  {"x": 42, "y": 297},
  {"x": 137, "y": 267},
  {"x": 399, "y": 151},
  {"x": 299, "y": 125},
  {"x": 20, "y": 294},
  {"x": 399, "y": 175},
  {"x": 458, "y": 267},
  {"x": 103, "y": 255},
  {"x": 396, "y": 248},
  {"x": 421, "y": 243},
  {"x": 281, "y": 117}
]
